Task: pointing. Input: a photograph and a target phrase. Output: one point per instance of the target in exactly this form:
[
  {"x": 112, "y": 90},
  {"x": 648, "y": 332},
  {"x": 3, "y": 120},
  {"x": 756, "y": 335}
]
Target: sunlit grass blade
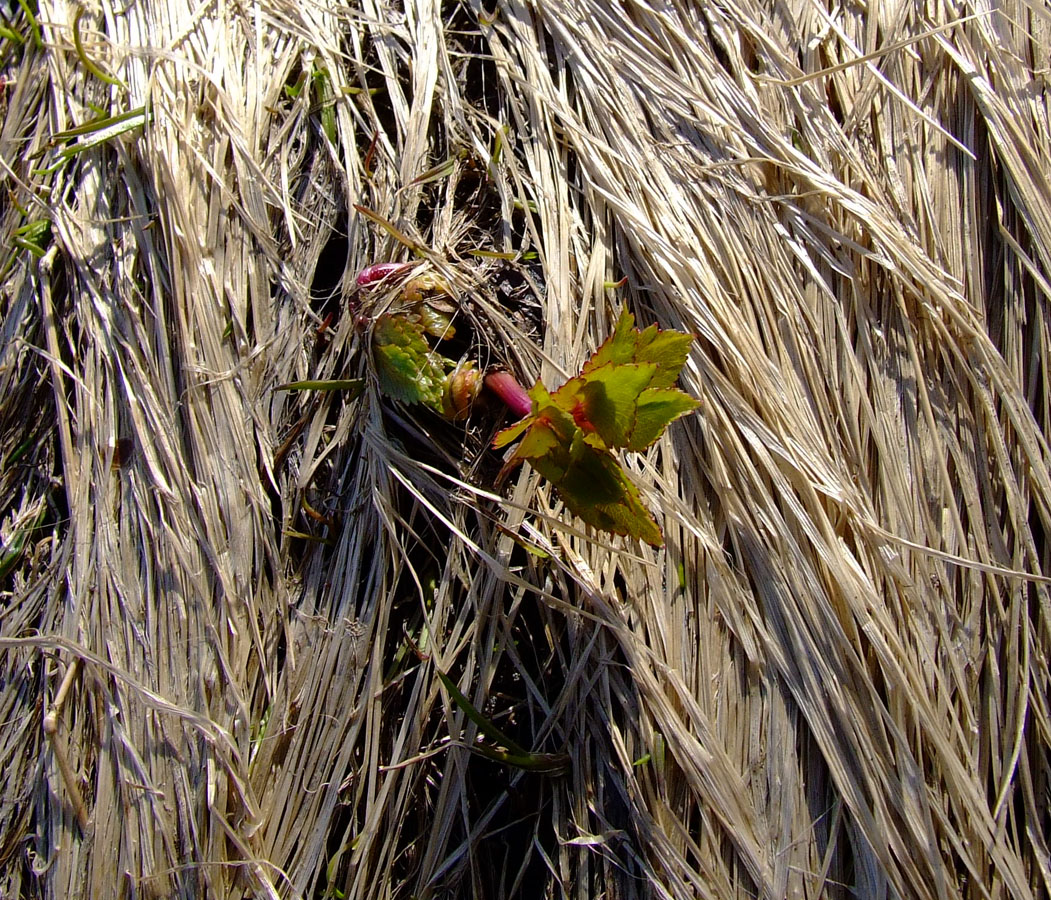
[
  {"x": 94, "y": 133},
  {"x": 437, "y": 173},
  {"x": 34, "y": 24},
  {"x": 390, "y": 228},
  {"x": 132, "y": 118}
]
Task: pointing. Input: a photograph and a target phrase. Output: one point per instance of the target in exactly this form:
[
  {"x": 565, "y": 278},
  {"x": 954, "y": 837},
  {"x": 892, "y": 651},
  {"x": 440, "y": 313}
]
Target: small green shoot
[
  {"x": 304, "y": 536},
  {"x": 656, "y": 756},
  {"x": 330, "y": 872},
  {"x": 91, "y": 66},
  {"x": 623, "y": 398},
  {"x": 95, "y": 132},
  {"x": 322, "y": 80},
  {"x": 436, "y": 173},
  {"x": 12, "y": 553},
  {"x": 407, "y": 368},
  {"x": 509, "y": 751},
  {"x": 133, "y": 118},
  {"x": 493, "y": 254},
  {"x": 34, "y": 236},
  {"x": 292, "y": 91},
  {"x": 498, "y": 146},
  {"x": 390, "y": 228},
  {"x": 20, "y": 451},
  {"x": 34, "y": 24}
]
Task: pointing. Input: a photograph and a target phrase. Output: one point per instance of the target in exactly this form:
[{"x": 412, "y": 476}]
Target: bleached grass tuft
[{"x": 225, "y": 605}]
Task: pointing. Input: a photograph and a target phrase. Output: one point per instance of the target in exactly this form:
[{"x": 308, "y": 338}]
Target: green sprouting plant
[
  {"x": 34, "y": 236},
  {"x": 89, "y": 64},
  {"x": 323, "y": 89},
  {"x": 406, "y": 366},
  {"x": 320, "y": 82},
  {"x": 97, "y": 131},
  {"x": 623, "y": 398},
  {"x": 10, "y": 28}
]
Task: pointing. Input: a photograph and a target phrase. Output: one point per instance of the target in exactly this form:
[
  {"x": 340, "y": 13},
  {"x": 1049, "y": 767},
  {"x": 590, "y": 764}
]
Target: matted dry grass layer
[{"x": 225, "y": 606}]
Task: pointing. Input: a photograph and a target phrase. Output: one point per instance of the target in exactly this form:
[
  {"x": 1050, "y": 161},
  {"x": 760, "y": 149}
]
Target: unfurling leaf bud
[
  {"x": 462, "y": 386},
  {"x": 506, "y": 387},
  {"x": 378, "y": 271}
]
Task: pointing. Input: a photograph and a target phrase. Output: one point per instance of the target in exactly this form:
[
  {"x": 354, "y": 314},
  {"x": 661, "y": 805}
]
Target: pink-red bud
[
  {"x": 378, "y": 271},
  {"x": 515, "y": 397}
]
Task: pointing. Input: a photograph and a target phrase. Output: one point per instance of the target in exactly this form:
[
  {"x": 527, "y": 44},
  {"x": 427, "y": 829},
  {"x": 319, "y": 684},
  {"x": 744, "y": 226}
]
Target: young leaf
[
  {"x": 540, "y": 399},
  {"x": 624, "y": 392},
  {"x": 512, "y": 433},
  {"x": 622, "y": 398},
  {"x": 407, "y": 368},
  {"x": 605, "y": 400},
  {"x": 667, "y": 350},
  {"x": 461, "y": 389},
  {"x": 657, "y": 408},
  {"x": 589, "y": 480},
  {"x": 594, "y": 486}
]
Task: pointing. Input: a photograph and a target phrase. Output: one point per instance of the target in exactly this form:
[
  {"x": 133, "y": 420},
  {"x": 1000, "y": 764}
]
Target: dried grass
[{"x": 225, "y": 604}]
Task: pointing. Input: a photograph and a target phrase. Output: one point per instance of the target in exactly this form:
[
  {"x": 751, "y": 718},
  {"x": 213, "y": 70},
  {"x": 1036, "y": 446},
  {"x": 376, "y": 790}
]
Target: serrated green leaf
[
  {"x": 401, "y": 377},
  {"x": 622, "y": 398},
  {"x": 667, "y": 350},
  {"x": 587, "y": 477},
  {"x": 596, "y": 488},
  {"x": 657, "y": 408},
  {"x": 512, "y": 432},
  {"x": 624, "y": 392},
  {"x": 540, "y": 441},
  {"x": 619, "y": 347},
  {"x": 593, "y": 477},
  {"x": 407, "y": 369},
  {"x": 619, "y": 404},
  {"x": 605, "y": 400},
  {"x": 539, "y": 395}
]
